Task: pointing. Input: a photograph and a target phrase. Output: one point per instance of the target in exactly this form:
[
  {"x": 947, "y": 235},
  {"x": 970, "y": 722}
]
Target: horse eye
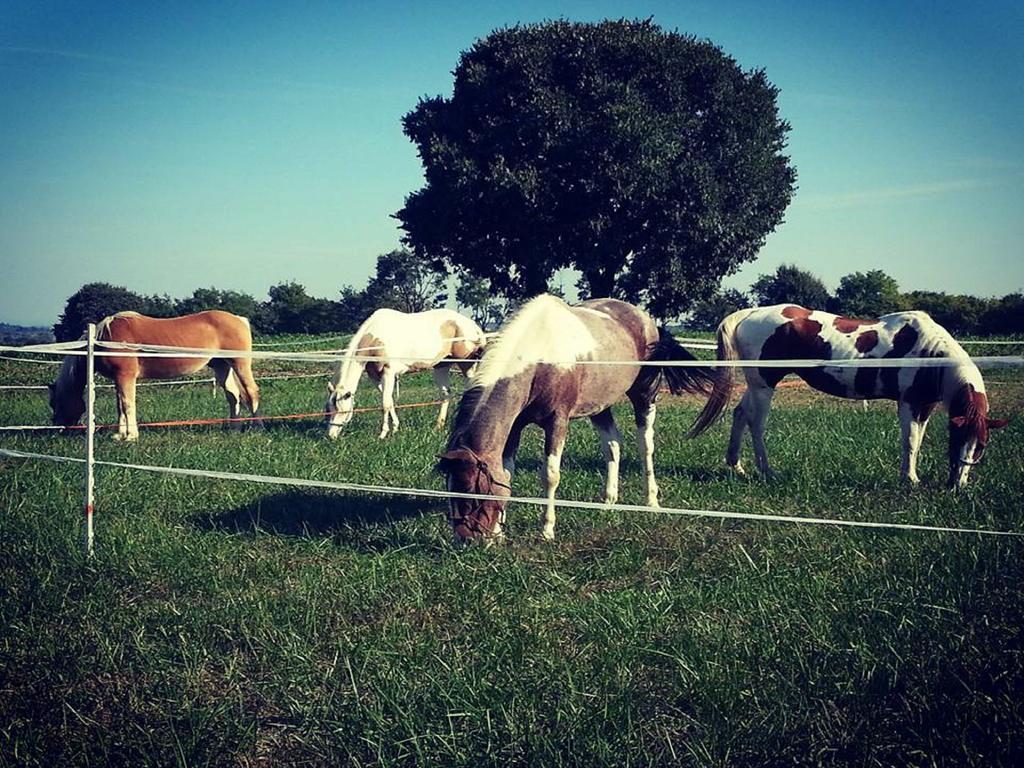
[{"x": 347, "y": 396}]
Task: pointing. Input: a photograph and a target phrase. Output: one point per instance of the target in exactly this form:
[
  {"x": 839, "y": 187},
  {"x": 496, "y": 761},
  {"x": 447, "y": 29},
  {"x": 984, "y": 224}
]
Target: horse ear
[
  {"x": 958, "y": 421},
  {"x": 997, "y": 423}
]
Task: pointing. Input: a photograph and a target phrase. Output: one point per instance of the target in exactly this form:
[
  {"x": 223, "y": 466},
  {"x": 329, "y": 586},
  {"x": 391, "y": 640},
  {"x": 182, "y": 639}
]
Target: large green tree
[
  {"x": 867, "y": 294},
  {"x": 790, "y": 285},
  {"x": 94, "y": 301},
  {"x": 407, "y": 282},
  {"x": 647, "y": 160},
  {"x": 707, "y": 314},
  {"x": 213, "y": 298}
]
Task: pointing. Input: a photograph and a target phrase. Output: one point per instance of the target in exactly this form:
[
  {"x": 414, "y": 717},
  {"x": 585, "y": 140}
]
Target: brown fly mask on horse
[{"x": 474, "y": 519}]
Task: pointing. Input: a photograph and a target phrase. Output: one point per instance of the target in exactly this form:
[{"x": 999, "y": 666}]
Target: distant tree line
[
  {"x": 17, "y": 335},
  {"x": 865, "y": 295}
]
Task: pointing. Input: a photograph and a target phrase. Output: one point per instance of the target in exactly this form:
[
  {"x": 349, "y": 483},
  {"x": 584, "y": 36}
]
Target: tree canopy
[
  {"x": 707, "y": 314},
  {"x": 868, "y": 294},
  {"x": 647, "y": 160},
  {"x": 406, "y": 283},
  {"x": 790, "y": 285},
  {"x": 94, "y": 301}
]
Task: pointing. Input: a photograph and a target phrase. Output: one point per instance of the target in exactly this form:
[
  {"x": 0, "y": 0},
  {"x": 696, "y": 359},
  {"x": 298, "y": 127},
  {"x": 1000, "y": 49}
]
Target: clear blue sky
[{"x": 172, "y": 146}]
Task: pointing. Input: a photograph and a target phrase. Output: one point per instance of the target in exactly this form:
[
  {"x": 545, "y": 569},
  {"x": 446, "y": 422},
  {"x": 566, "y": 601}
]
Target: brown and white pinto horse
[
  {"x": 788, "y": 332},
  {"x": 529, "y": 377},
  {"x": 390, "y": 343},
  {"x": 204, "y": 330}
]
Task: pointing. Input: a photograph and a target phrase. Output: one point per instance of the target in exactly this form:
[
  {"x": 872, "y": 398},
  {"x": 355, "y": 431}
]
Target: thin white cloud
[
  {"x": 63, "y": 54},
  {"x": 885, "y": 194}
]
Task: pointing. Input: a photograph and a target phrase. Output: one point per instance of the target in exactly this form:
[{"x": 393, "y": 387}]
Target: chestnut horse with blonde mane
[{"x": 213, "y": 330}]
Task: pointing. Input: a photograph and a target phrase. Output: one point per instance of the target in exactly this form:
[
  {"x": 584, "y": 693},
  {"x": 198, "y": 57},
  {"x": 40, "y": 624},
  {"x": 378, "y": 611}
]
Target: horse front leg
[
  {"x": 551, "y": 471},
  {"x": 912, "y": 429},
  {"x": 127, "y": 424},
  {"x": 122, "y": 418},
  {"x": 508, "y": 454},
  {"x": 388, "y": 403},
  {"x": 611, "y": 448}
]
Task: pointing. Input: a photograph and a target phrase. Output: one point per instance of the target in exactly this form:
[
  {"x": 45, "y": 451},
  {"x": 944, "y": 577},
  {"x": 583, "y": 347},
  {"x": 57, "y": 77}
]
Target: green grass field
[{"x": 229, "y": 623}]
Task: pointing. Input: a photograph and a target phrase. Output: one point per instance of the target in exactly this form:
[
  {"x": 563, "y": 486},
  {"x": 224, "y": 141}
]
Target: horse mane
[
  {"x": 468, "y": 404},
  {"x": 543, "y": 330},
  {"x": 71, "y": 377},
  {"x": 351, "y": 351}
]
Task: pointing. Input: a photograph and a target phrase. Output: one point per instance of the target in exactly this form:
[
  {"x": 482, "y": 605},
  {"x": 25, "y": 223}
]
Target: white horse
[{"x": 390, "y": 343}]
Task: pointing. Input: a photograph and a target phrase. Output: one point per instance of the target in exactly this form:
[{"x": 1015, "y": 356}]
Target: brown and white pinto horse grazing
[
  {"x": 204, "y": 330},
  {"x": 530, "y": 376},
  {"x": 788, "y": 332},
  {"x": 390, "y": 343}
]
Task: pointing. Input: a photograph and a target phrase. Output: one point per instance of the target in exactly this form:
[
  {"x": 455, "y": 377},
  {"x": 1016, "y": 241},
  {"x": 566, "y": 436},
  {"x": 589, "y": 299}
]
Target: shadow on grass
[{"x": 349, "y": 518}]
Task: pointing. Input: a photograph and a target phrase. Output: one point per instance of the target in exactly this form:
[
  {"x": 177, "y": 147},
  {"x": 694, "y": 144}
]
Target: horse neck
[
  {"x": 957, "y": 379},
  {"x": 486, "y": 426},
  {"x": 71, "y": 379},
  {"x": 347, "y": 377}
]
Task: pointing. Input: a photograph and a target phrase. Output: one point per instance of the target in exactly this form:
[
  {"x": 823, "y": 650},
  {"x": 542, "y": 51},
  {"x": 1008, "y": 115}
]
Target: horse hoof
[
  {"x": 611, "y": 500},
  {"x": 548, "y": 534}
]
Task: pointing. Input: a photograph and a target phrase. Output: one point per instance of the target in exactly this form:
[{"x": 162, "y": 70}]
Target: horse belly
[
  {"x": 602, "y": 386},
  {"x": 169, "y": 367}
]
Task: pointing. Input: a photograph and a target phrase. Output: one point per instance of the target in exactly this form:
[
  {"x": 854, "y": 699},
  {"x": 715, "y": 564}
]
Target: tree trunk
[{"x": 601, "y": 282}]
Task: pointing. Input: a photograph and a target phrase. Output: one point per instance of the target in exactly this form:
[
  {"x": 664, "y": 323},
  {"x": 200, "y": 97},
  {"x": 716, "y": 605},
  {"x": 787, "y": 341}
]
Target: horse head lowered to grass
[
  {"x": 211, "y": 330},
  {"x": 546, "y": 369}
]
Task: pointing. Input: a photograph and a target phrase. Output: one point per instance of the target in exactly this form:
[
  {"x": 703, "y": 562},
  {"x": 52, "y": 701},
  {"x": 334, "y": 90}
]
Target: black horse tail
[
  {"x": 694, "y": 379},
  {"x": 721, "y": 392}
]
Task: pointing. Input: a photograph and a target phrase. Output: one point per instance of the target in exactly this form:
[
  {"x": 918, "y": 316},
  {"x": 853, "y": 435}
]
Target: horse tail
[
  {"x": 721, "y": 392},
  {"x": 695, "y": 379}
]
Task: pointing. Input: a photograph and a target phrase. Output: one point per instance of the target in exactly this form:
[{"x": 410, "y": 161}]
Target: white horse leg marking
[
  {"x": 128, "y": 387},
  {"x": 761, "y": 403},
  {"x": 443, "y": 379},
  {"x": 232, "y": 392},
  {"x": 917, "y": 431},
  {"x": 611, "y": 447},
  {"x": 912, "y": 435},
  {"x": 388, "y": 402},
  {"x": 645, "y": 435},
  {"x": 551, "y": 473}
]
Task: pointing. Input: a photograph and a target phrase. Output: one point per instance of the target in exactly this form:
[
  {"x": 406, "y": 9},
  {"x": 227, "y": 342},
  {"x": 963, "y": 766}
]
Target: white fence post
[{"x": 90, "y": 435}]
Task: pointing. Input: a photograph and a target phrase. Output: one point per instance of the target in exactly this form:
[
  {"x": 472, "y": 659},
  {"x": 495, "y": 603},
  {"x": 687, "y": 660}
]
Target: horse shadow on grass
[{"x": 361, "y": 521}]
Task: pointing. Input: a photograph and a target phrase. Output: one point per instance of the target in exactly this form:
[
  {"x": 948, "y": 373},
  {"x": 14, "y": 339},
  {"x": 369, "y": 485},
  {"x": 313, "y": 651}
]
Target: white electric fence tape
[
  {"x": 297, "y": 482},
  {"x": 119, "y": 349}
]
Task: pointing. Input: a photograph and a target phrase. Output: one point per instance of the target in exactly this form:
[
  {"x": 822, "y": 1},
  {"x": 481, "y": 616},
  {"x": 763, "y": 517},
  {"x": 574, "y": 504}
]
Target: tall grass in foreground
[{"x": 227, "y": 623}]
